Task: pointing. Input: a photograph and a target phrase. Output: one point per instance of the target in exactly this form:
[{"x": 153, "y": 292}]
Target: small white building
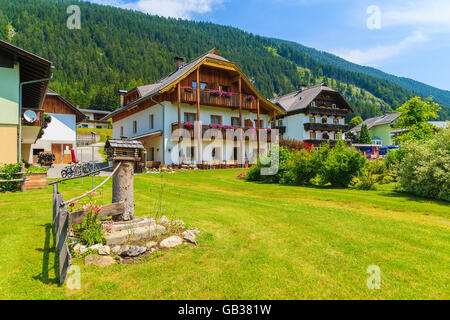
[
  {"x": 94, "y": 119},
  {"x": 60, "y": 137}
]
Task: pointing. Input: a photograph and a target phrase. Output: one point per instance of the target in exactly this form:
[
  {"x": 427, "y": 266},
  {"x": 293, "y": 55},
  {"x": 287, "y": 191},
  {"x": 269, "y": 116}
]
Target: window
[
  {"x": 324, "y": 120},
  {"x": 313, "y": 104},
  {"x": 151, "y": 154},
  {"x": 280, "y": 123},
  {"x": 216, "y": 120},
  {"x": 190, "y": 153},
  {"x": 121, "y": 131},
  {"x": 235, "y": 122},
  {"x": 312, "y": 119},
  {"x": 134, "y": 126},
  {"x": 203, "y": 85},
  {"x": 325, "y": 136},
  {"x": 99, "y": 127},
  {"x": 84, "y": 126},
  {"x": 189, "y": 117},
  {"x": 312, "y": 135},
  {"x": 336, "y": 121},
  {"x": 235, "y": 153},
  {"x": 261, "y": 123},
  {"x": 150, "y": 120},
  {"x": 333, "y": 106}
]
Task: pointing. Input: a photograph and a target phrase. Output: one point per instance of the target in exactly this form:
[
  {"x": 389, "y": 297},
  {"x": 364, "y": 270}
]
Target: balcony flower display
[
  {"x": 188, "y": 89},
  {"x": 227, "y": 127},
  {"x": 215, "y": 126},
  {"x": 188, "y": 125},
  {"x": 215, "y": 93}
]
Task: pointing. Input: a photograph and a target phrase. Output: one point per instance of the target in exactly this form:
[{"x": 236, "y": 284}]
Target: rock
[
  {"x": 83, "y": 249},
  {"x": 164, "y": 220},
  {"x": 189, "y": 235},
  {"x": 178, "y": 223},
  {"x": 95, "y": 247},
  {"x": 123, "y": 249},
  {"x": 171, "y": 242},
  {"x": 104, "y": 250},
  {"x": 116, "y": 249},
  {"x": 76, "y": 248},
  {"x": 151, "y": 244},
  {"x": 142, "y": 233},
  {"x": 134, "y": 251},
  {"x": 195, "y": 231},
  {"x": 100, "y": 261}
]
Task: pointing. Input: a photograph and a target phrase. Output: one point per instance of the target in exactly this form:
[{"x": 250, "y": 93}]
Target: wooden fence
[{"x": 62, "y": 220}]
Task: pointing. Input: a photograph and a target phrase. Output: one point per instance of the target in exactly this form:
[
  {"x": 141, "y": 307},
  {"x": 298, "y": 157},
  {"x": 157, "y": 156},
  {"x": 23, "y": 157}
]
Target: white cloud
[
  {"x": 431, "y": 13},
  {"x": 381, "y": 52},
  {"x": 167, "y": 8}
]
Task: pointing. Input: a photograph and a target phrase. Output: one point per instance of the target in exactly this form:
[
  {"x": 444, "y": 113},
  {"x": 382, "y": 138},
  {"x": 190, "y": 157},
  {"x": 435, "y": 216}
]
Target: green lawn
[{"x": 258, "y": 242}]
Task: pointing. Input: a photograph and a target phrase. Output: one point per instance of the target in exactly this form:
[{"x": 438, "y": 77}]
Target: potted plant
[{"x": 36, "y": 178}]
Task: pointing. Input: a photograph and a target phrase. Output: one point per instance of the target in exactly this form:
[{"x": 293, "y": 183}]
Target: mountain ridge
[{"x": 121, "y": 49}]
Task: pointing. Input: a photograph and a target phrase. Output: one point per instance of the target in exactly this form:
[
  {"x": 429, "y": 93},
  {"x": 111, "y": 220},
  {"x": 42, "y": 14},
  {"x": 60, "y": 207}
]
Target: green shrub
[
  {"x": 300, "y": 168},
  {"x": 339, "y": 165},
  {"x": 8, "y": 173},
  {"x": 364, "y": 181},
  {"x": 36, "y": 169},
  {"x": 282, "y": 155},
  {"x": 424, "y": 168},
  {"x": 92, "y": 235}
]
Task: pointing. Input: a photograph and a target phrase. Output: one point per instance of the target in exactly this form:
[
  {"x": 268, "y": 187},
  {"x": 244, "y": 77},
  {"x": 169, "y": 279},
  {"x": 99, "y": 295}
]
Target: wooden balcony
[
  {"x": 325, "y": 127},
  {"x": 39, "y": 120},
  {"x": 223, "y": 129},
  {"x": 215, "y": 98},
  {"x": 327, "y": 111}
]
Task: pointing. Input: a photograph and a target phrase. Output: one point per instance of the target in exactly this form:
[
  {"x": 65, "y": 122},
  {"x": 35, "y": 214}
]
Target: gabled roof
[
  {"x": 377, "y": 121},
  {"x": 32, "y": 67},
  {"x": 301, "y": 99},
  {"x": 124, "y": 143},
  {"x": 167, "y": 83},
  {"x": 79, "y": 115},
  {"x": 94, "y": 111}
]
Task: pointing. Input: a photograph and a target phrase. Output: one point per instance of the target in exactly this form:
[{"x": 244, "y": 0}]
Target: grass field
[{"x": 258, "y": 242}]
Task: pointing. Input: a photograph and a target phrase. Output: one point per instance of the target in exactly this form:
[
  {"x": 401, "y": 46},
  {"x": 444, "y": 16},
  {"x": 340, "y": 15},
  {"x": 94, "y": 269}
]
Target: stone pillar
[{"x": 123, "y": 187}]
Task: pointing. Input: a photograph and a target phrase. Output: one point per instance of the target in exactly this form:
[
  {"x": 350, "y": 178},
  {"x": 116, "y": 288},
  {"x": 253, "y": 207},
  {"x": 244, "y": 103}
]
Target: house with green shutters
[{"x": 380, "y": 129}]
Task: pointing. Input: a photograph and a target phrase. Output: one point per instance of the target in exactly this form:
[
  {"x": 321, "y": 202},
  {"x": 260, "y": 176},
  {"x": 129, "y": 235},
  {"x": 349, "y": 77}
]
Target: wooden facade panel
[{"x": 53, "y": 104}]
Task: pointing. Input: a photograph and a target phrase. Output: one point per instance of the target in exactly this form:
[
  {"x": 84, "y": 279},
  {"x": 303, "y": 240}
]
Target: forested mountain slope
[{"x": 120, "y": 49}]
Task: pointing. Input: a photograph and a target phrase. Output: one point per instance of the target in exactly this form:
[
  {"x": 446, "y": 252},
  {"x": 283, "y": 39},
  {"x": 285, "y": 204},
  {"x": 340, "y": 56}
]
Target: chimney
[
  {"x": 180, "y": 61},
  {"x": 122, "y": 94}
]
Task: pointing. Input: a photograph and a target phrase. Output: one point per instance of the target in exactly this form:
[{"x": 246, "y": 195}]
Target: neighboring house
[
  {"x": 60, "y": 137},
  {"x": 21, "y": 116},
  {"x": 313, "y": 115},
  {"x": 210, "y": 89},
  {"x": 380, "y": 129},
  {"x": 94, "y": 119},
  {"x": 440, "y": 124}
]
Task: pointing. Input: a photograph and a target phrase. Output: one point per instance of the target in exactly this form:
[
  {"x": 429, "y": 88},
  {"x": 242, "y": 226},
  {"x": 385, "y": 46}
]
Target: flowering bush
[
  {"x": 242, "y": 175},
  {"x": 188, "y": 125},
  {"x": 90, "y": 231}
]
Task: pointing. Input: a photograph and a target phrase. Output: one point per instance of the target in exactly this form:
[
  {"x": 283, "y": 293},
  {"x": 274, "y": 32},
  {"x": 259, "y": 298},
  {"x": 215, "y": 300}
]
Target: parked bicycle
[{"x": 78, "y": 169}]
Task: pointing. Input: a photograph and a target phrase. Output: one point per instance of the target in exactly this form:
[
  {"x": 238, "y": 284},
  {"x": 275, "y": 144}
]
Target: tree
[
  {"x": 415, "y": 114},
  {"x": 364, "y": 135},
  {"x": 355, "y": 121}
]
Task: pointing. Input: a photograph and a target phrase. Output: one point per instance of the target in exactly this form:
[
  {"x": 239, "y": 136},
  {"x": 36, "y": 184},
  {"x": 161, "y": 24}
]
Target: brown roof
[
  {"x": 301, "y": 99},
  {"x": 79, "y": 115},
  {"x": 150, "y": 90},
  {"x": 377, "y": 121},
  {"x": 32, "y": 67}
]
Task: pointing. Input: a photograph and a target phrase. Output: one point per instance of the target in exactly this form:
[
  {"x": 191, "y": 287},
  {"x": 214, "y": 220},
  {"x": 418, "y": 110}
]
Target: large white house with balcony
[
  {"x": 210, "y": 89},
  {"x": 313, "y": 115}
]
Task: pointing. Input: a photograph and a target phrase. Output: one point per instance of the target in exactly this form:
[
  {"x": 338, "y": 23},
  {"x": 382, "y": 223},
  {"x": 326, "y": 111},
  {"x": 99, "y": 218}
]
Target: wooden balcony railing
[
  {"x": 215, "y": 98},
  {"x": 325, "y": 127},
  {"x": 39, "y": 118},
  {"x": 325, "y": 111},
  {"x": 223, "y": 129}
]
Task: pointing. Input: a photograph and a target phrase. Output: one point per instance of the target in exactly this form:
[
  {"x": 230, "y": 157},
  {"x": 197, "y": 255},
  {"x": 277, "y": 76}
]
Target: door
[
  {"x": 57, "y": 150},
  {"x": 67, "y": 154}
]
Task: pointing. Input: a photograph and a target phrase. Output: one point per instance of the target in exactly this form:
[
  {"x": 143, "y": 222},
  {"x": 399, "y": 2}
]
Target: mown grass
[
  {"x": 104, "y": 133},
  {"x": 258, "y": 242}
]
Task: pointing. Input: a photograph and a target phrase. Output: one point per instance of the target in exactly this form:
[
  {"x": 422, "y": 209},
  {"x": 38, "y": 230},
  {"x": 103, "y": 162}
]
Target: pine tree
[{"x": 364, "y": 135}]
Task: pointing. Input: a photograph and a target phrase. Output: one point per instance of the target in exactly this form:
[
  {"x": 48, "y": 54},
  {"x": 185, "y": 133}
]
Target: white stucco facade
[{"x": 164, "y": 147}]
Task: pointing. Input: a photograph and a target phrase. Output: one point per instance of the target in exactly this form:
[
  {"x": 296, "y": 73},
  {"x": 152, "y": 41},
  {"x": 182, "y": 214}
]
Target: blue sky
[{"x": 409, "y": 38}]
